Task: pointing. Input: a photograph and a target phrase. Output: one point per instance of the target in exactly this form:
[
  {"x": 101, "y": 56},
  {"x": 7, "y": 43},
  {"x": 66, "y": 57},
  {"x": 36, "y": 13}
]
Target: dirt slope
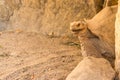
[{"x": 32, "y": 56}]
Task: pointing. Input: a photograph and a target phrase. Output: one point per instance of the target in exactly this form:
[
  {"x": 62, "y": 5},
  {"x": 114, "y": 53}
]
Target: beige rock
[
  {"x": 50, "y": 15},
  {"x": 4, "y": 13},
  {"x": 117, "y": 40},
  {"x": 91, "y": 68},
  {"x": 13, "y": 4},
  {"x": 110, "y": 2},
  {"x": 3, "y": 25}
]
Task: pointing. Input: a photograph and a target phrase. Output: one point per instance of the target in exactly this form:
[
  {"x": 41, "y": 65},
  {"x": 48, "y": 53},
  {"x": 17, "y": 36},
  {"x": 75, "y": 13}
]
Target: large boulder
[
  {"x": 91, "y": 68},
  {"x": 117, "y": 40},
  {"x": 48, "y": 16}
]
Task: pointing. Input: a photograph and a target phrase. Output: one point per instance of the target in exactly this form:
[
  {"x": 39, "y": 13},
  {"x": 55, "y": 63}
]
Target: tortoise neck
[{"x": 87, "y": 35}]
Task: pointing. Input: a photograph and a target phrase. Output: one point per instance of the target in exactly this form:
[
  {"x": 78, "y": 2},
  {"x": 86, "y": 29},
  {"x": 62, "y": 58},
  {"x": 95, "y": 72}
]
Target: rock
[
  {"x": 13, "y": 4},
  {"x": 110, "y": 3},
  {"x": 91, "y": 68},
  {"x": 50, "y": 15},
  {"x": 117, "y": 40},
  {"x": 4, "y": 13},
  {"x": 3, "y": 25}
]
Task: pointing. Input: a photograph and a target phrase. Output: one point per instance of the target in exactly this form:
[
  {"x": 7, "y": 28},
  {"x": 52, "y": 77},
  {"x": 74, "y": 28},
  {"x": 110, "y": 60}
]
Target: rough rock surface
[
  {"x": 110, "y": 2},
  {"x": 91, "y": 68},
  {"x": 117, "y": 40},
  {"x": 3, "y": 25},
  {"x": 48, "y": 16}
]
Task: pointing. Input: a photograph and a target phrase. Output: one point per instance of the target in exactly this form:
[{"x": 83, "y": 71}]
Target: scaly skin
[
  {"x": 89, "y": 42},
  {"x": 91, "y": 45}
]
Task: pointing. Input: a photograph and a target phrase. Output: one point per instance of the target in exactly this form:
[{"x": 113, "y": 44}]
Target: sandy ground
[{"x": 33, "y": 56}]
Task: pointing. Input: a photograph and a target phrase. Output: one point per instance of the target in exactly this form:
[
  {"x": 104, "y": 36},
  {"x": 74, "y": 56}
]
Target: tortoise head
[{"x": 79, "y": 27}]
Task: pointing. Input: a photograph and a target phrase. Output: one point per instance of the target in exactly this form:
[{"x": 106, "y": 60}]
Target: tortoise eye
[{"x": 78, "y": 24}]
